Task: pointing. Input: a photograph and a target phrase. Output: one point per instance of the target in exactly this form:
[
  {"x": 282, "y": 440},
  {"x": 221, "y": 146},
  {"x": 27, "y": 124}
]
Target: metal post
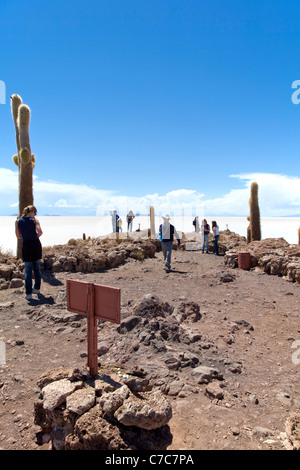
[{"x": 92, "y": 333}]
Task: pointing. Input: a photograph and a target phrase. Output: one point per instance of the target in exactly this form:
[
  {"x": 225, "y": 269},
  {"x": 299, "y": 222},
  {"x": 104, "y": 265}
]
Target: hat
[{"x": 166, "y": 216}]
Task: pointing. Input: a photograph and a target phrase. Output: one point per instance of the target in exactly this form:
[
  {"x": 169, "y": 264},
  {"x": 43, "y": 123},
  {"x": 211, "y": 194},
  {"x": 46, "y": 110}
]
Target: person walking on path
[
  {"x": 29, "y": 230},
  {"x": 205, "y": 230},
  {"x": 130, "y": 216},
  {"x": 215, "y": 229},
  {"x": 166, "y": 235}
]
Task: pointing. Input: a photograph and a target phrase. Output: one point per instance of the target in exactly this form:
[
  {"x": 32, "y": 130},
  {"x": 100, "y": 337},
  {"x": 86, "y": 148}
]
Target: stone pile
[
  {"x": 78, "y": 256},
  {"x": 168, "y": 345},
  {"x": 273, "y": 256},
  {"x": 110, "y": 411}
]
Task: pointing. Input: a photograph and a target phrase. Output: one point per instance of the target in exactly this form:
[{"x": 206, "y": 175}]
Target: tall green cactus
[
  {"x": 23, "y": 159},
  {"x": 152, "y": 222},
  {"x": 255, "y": 232}
]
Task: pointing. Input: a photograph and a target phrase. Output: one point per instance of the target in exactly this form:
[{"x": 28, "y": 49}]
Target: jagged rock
[
  {"x": 205, "y": 374},
  {"x": 214, "y": 390},
  {"x": 128, "y": 324},
  {"x": 81, "y": 400},
  {"x": 110, "y": 402},
  {"x": 6, "y": 270},
  {"x": 93, "y": 432},
  {"x": 151, "y": 307},
  {"x": 59, "y": 373},
  {"x": 187, "y": 311},
  {"x": 292, "y": 428},
  {"x": 15, "y": 283},
  {"x": 152, "y": 412},
  {"x": 55, "y": 393},
  {"x": 227, "y": 277}
]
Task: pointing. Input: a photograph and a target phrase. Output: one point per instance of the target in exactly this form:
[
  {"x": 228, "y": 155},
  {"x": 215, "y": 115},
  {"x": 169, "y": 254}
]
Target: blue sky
[{"x": 179, "y": 104}]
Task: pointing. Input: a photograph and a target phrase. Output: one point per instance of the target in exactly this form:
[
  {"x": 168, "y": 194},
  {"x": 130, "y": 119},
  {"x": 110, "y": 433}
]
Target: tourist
[
  {"x": 196, "y": 224},
  {"x": 29, "y": 230},
  {"x": 114, "y": 221},
  {"x": 167, "y": 232},
  {"x": 205, "y": 230},
  {"x": 216, "y": 233},
  {"x": 130, "y": 216},
  {"x": 119, "y": 224}
]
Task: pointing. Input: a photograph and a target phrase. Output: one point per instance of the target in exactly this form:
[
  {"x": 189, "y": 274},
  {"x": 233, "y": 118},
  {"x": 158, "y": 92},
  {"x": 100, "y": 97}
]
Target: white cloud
[{"x": 278, "y": 196}]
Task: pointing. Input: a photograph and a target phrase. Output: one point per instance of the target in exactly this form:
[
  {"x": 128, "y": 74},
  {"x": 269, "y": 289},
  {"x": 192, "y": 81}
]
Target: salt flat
[{"x": 59, "y": 229}]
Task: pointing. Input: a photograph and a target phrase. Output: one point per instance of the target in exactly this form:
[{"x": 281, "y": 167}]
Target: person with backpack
[
  {"x": 205, "y": 231},
  {"x": 166, "y": 235},
  {"x": 130, "y": 216}
]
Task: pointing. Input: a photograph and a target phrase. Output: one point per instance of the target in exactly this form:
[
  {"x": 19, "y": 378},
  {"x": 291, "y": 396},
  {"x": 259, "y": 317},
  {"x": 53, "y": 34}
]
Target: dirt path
[{"x": 249, "y": 320}]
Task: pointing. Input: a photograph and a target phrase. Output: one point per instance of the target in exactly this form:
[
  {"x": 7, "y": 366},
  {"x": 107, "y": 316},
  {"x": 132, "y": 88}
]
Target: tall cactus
[
  {"x": 152, "y": 222},
  {"x": 255, "y": 232},
  {"x": 23, "y": 159}
]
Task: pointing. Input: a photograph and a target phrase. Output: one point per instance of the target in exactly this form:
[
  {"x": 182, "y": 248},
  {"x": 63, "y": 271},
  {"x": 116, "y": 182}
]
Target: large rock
[
  {"x": 110, "y": 402},
  {"x": 293, "y": 429},
  {"x": 56, "y": 393},
  {"x": 81, "y": 400},
  {"x": 152, "y": 412},
  {"x": 151, "y": 306},
  {"x": 205, "y": 374}
]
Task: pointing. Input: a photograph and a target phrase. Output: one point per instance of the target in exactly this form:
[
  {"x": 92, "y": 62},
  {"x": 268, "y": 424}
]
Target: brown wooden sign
[
  {"x": 107, "y": 300},
  {"x": 96, "y": 302}
]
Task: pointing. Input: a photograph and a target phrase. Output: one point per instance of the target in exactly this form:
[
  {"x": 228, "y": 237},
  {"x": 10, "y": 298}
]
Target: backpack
[{"x": 194, "y": 221}]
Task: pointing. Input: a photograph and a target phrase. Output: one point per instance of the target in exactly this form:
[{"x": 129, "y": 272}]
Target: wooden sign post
[{"x": 96, "y": 302}]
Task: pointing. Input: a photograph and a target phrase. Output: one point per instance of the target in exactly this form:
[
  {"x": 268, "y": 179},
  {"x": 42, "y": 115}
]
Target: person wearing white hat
[{"x": 167, "y": 232}]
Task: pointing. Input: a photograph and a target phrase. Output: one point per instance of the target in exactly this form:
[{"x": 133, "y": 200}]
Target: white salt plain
[{"x": 59, "y": 229}]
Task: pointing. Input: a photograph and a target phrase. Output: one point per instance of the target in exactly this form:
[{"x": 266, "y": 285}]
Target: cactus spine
[
  {"x": 23, "y": 159},
  {"x": 254, "y": 227}
]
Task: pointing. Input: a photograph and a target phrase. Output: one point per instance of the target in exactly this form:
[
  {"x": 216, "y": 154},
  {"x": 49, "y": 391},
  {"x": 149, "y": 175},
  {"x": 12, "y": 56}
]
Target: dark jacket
[{"x": 168, "y": 232}]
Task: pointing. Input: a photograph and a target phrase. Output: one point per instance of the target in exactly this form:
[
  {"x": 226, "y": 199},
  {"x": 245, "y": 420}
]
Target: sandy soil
[{"x": 252, "y": 321}]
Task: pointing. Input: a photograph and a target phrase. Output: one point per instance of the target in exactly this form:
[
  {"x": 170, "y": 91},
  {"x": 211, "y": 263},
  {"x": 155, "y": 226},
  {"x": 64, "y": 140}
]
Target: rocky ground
[{"x": 221, "y": 343}]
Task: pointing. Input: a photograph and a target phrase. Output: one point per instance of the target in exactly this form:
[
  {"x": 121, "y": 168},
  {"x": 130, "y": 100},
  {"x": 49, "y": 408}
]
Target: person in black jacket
[
  {"x": 29, "y": 230},
  {"x": 167, "y": 232}
]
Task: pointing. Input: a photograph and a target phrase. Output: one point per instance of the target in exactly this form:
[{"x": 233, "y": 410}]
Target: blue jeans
[
  {"x": 216, "y": 246},
  {"x": 205, "y": 242},
  {"x": 35, "y": 267},
  {"x": 167, "y": 250}
]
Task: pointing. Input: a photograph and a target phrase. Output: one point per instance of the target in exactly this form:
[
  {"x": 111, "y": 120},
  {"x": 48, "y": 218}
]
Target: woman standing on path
[
  {"x": 29, "y": 230},
  {"x": 205, "y": 229},
  {"x": 215, "y": 230}
]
